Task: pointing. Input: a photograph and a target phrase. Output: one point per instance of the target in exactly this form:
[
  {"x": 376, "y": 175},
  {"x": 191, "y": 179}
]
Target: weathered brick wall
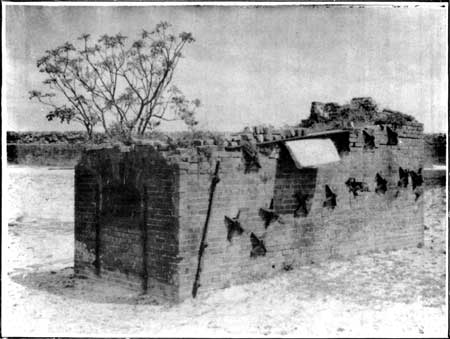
[
  {"x": 134, "y": 210},
  {"x": 162, "y": 225},
  {"x": 223, "y": 260},
  {"x": 170, "y": 200},
  {"x": 85, "y": 217},
  {"x": 359, "y": 224}
]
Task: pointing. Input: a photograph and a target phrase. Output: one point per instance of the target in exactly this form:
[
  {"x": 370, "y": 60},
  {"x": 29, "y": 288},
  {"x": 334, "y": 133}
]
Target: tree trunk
[{"x": 89, "y": 130}]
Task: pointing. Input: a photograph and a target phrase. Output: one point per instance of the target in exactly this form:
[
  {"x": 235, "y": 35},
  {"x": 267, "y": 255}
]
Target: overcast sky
[{"x": 253, "y": 65}]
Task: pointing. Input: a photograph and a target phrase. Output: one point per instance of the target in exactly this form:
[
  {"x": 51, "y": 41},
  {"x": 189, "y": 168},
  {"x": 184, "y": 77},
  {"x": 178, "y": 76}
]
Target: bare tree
[{"x": 122, "y": 86}]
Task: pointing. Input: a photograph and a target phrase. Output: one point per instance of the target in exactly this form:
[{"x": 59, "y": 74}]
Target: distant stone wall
[
  {"x": 70, "y": 137},
  {"x": 44, "y": 154},
  {"x": 435, "y": 177},
  {"x": 46, "y": 148},
  {"x": 435, "y": 149},
  {"x": 64, "y": 148}
]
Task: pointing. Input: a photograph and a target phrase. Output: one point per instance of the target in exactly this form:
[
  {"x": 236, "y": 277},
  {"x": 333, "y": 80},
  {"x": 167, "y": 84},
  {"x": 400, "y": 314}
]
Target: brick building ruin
[{"x": 140, "y": 210}]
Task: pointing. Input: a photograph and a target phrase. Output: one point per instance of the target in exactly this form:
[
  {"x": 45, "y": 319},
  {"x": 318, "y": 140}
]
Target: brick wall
[
  {"x": 130, "y": 197},
  {"x": 172, "y": 190},
  {"x": 369, "y": 221}
]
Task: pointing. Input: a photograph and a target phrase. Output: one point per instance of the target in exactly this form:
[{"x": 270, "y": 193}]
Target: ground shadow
[{"x": 62, "y": 282}]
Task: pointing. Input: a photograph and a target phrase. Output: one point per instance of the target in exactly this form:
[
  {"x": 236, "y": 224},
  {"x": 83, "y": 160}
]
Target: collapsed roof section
[
  {"x": 359, "y": 111},
  {"x": 326, "y": 120}
]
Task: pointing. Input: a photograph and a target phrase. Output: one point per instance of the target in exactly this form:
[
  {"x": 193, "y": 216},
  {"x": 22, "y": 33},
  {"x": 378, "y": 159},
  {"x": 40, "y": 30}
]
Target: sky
[{"x": 254, "y": 65}]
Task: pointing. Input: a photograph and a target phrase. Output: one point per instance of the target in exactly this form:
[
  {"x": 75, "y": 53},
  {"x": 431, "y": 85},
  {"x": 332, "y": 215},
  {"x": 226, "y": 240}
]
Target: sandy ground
[{"x": 384, "y": 294}]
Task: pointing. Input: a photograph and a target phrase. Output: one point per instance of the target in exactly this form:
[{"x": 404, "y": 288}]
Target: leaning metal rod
[{"x": 215, "y": 180}]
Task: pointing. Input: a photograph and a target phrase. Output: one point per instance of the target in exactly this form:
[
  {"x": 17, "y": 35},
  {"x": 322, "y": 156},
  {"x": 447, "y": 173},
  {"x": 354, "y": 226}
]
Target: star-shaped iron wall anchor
[
  {"x": 233, "y": 226},
  {"x": 369, "y": 140},
  {"x": 392, "y": 137},
  {"x": 330, "y": 198},
  {"x": 356, "y": 186},
  {"x": 416, "y": 178},
  {"x": 381, "y": 184},
  {"x": 302, "y": 207},
  {"x": 258, "y": 248},
  {"x": 269, "y": 215},
  {"x": 403, "y": 175}
]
